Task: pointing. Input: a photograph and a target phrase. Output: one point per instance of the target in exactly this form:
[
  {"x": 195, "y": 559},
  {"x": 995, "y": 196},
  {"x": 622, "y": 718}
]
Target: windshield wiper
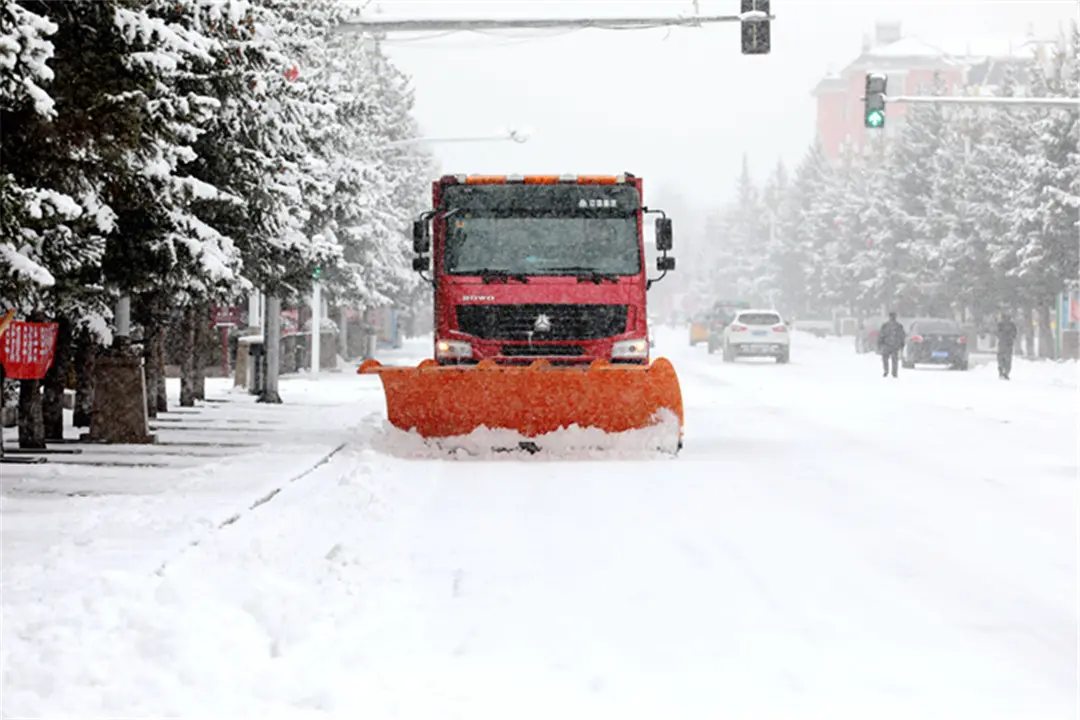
[
  {"x": 585, "y": 274},
  {"x": 489, "y": 275}
]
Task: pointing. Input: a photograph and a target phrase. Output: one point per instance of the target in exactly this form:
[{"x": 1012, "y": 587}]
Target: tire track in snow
[{"x": 259, "y": 502}]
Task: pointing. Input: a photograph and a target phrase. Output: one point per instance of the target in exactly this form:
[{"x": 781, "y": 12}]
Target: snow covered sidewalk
[
  {"x": 210, "y": 463},
  {"x": 124, "y": 511}
]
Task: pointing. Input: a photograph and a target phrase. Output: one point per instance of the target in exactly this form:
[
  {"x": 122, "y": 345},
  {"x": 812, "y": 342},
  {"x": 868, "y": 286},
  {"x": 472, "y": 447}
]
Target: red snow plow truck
[{"x": 540, "y": 289}]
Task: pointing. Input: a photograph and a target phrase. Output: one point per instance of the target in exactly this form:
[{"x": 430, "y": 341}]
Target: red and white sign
[
  {"x": 290, "y": 323},
  {"x": 27, "y": 349},
  {"x": 227, "y": 316}
]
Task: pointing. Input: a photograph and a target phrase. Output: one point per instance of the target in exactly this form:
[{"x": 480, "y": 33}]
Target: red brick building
[{"x": 910, "y": 64}]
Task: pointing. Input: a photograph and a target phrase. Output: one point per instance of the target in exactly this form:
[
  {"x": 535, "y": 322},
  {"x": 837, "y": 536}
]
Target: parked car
[
  {"x": 935, "y": 341},
  {"x": 699, "y": 329},
  {"x": 757, "y": 333},
  {"x": 722, "y": 314}
]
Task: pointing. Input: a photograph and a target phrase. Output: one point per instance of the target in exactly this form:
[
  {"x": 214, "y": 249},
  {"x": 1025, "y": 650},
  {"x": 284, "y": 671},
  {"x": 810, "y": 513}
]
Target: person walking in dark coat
[
  {"x": 1006, "y": 340},
  {"x": 890, "y": 342}
]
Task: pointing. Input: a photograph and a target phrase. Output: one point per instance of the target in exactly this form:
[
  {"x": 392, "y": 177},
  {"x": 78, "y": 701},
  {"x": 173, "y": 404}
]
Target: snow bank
[{"x": 572, "y": 443}]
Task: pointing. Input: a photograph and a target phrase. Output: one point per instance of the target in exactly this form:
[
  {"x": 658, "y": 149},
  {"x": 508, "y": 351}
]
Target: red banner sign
[
  {"x": 290, "y": 323},
  {"x": 27, "y": 349},
  {"x": 227, "y": 316}
]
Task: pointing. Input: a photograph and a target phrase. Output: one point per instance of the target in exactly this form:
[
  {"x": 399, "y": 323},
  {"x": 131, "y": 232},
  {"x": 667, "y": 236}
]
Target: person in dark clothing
[
  {"x": 1006, "y": 339},
  {"x": 890, "y": 342}
]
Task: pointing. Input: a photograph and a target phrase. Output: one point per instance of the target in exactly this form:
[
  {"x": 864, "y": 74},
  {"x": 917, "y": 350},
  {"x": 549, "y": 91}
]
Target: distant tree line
[
  {"x": 183, "y": 152},
  {"x": 966, "y": 211}
]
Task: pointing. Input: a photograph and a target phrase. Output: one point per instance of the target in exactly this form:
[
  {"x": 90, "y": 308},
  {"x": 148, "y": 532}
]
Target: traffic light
[
  {"x": 874, "y": 102},
  {"x": 316, "y": 273},
  {"x": 755, "y": 33}
]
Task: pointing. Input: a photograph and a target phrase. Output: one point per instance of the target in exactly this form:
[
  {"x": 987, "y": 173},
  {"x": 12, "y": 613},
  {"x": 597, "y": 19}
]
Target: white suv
[{"x": 757, "y": 333}]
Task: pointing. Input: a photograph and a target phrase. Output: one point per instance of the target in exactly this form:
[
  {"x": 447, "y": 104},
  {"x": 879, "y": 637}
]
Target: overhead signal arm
[{"x": 755, "y": 20}]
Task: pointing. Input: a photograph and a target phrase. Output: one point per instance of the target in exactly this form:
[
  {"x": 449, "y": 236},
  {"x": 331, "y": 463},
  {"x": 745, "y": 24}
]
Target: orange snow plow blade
[{"x": 448, "y": 401}]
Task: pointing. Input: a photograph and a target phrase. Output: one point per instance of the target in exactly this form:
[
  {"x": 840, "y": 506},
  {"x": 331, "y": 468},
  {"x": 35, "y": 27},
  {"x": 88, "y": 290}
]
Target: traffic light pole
[
  {"x": 627, "y": 23},
  {"x": 1062, "y": 102},
  {"x": 876, "y": 98},
  {"x": 754, "y": 17}
]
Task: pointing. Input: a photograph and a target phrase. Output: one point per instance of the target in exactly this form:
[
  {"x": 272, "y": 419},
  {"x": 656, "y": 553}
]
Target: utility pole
[{"x": 316, "y": 328}]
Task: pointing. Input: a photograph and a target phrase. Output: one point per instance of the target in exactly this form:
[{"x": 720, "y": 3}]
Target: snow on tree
[
  {"x": 802, "y": 228},
  {"x": 1053, "y": 216},
  {"x": 961, "y": 188},
  {"x": 370, "y": 175},
  {"x": 773, "y": 194},
  {"x": 27, "y": 213},
  {"x": 164, "y": 51}
]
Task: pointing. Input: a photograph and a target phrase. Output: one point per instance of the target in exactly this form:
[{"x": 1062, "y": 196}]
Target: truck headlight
[
  {"x": 453, "y": 349},
  {"x": 630, "y": 349}
]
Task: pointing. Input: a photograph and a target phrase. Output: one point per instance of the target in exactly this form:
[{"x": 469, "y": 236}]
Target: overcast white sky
[{"x": 677, "y": 107}]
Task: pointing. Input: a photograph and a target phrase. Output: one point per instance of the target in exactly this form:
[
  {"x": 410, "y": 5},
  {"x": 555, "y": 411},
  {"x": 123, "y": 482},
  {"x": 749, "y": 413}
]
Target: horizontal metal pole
[
  {"x": 376, "y": 26},
  {"x": 1066, "y": 102},
  {"x": 490, "y": 138}
]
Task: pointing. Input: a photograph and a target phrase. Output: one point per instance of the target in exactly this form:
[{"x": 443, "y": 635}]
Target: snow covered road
[{"x": 829, "y": 544}]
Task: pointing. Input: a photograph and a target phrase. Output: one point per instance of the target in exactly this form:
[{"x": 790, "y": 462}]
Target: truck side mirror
[
  {"x": 663, "y": 234},
  {"x": 421, "y": 241},
  {"x": 664, "y": 264},
  {"x": 420, "y": 264}
]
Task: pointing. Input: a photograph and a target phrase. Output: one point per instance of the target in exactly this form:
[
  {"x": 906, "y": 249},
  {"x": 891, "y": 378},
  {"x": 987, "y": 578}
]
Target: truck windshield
[{"x": 556, "y": 245}]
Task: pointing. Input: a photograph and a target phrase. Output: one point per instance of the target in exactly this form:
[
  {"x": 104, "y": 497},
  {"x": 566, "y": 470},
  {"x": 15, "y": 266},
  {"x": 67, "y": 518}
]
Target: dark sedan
[{"x": 932, "y": 341}]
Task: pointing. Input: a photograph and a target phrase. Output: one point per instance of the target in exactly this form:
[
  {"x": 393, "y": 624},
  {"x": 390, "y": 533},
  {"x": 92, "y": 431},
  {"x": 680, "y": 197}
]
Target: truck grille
[
  {"x": 542, "y": 350},
  {"x": 567, "y": 322}
]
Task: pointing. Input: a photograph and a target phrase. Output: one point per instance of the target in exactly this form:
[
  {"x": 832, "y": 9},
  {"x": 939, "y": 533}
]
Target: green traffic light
[
  {"x": 317, "y": 273},
  {"x": 875, "y": 118}
]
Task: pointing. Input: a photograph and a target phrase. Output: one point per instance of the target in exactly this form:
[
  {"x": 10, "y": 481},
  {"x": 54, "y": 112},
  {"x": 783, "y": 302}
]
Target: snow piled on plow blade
[
  {"x": 451, "y": 401},
  {"x": 569, "y": 443}
]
